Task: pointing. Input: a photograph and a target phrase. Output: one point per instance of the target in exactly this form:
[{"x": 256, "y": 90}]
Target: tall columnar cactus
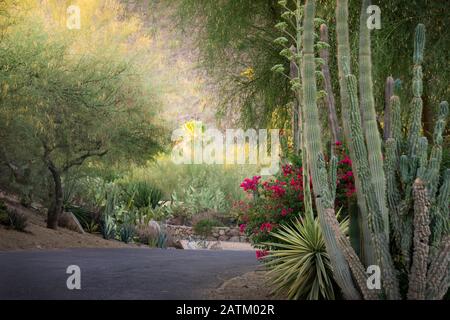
[
  {"x": 343, "y": 58},
  {"x": 416, "y": 200},
  {"x": 376, "y": 222},
  {"x": 415, "y": 122},
  {"x": 369, "y": 118},
  {"x": 388, "y": 93},
  {"x": 332, "y": 116},
  {"x": 322, "y": 191}
]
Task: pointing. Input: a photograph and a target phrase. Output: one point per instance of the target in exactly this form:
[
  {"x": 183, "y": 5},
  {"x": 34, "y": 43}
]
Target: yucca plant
[{"x": 299, "y": 265}]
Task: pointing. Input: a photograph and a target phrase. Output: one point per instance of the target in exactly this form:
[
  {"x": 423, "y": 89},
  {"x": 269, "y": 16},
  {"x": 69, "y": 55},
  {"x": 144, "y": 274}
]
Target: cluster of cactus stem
[{"x": 403, "y": 200}]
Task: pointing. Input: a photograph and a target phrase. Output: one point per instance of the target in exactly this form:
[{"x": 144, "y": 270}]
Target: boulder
[
  {"x": 235, "y": 239},
  {"x": 234, "y": 232},
  {"x": 69, "y": 221}
]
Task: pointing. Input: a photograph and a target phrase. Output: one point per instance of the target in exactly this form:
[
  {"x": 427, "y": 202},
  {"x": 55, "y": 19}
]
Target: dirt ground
[
  {"x": 250, "y": 286},
  {"x": 38, "y": 236}
]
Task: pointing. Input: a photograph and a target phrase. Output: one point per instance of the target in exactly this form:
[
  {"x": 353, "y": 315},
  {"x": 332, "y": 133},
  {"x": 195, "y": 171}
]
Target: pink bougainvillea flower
[
  {"x": 285, "y": 212},
  {"x": 242, "y": 227},
  {"x": 266, "y": 227},
  {"x": 346, "y": 161},
  {"x": 261, "y": 254},
  {"x": 338, "y": 143},
  {"x": 250, "y": 184},
  {"x": 287, "y": 170}
]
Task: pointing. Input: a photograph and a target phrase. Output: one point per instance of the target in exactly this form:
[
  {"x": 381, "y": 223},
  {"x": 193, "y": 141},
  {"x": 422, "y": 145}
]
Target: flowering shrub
[{"x": 276, "y": 201}]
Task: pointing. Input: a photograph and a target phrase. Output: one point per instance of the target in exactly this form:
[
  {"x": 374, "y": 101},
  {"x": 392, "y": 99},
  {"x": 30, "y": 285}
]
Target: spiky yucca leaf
[{"x": 299, "y": 265}]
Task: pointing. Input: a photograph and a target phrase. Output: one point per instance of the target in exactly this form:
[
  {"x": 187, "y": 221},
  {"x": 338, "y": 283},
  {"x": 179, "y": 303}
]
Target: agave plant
[
  {"x": 108, "y": 228},
  {"x": 127, "y": 231},
  {"x": 298, "y": 264}
]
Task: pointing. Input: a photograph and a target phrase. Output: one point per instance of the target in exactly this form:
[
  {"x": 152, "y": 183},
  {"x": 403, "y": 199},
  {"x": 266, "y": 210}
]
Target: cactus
[
  {"x": 332, "y": 117},
  {"x": 322, "y": 192},
  {"x": 343, "y": 51},
  {"x": 417, "y": 205},
  {"x": 388, "y": 93},
  {"x": 368, "y": 114}
]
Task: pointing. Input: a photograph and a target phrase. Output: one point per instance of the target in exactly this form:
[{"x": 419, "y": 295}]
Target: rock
[
  {"x": 155, "y": 225},
  {"x": 215, "y": 246},
  {"x": 222, "y": 238},
  {"x": 175, "y": 244},
  {"x": 235, "y": 232},
  {"x": 221, "y": 232},
  {"x": 235, "y": 239},
  {"x": 69, "y": 221}
]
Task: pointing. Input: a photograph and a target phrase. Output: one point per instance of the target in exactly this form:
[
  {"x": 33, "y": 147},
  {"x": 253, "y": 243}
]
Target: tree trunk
[{"x": 55, "y": 209}]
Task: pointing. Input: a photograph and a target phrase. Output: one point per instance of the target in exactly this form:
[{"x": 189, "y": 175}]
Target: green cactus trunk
[
  {"x": 376, "y": 223},
  {"x": 369, "y": 118},
  {"x": 322, "y": 193},
  {"x": 343, "y": 51}
]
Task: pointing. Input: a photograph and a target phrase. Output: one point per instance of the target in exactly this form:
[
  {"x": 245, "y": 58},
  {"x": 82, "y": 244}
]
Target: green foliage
[
  {"x": 70, "y": 104},
  {"x": 298, "y": 263},
  {"x": 159, "y": 241},
  {"x": 108, "y": 228},
  {"x": 143, "y": 194},
  {"x": 126, "y": 232},
  {"x": 235, "y": 37}
]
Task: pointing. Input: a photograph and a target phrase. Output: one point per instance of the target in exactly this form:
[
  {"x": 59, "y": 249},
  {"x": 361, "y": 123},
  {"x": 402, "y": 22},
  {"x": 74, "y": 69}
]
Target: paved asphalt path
[{"x": 126, "y": 273}]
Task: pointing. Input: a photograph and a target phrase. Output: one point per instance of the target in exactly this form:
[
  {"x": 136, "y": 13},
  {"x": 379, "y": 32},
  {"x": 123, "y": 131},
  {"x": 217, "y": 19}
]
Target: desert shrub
[
  {"x": 146, "y": 232},
  {"x": 3, "y": 213},
  {"x": 202, "y": 199},
  {"x": 204, "y": 227},
  {"x": 209, "y": 181},
  {"x": 90, "y": 221},
  {"x": 17, "y": 220},
  {"x": 160, "y": 240},
  {"x": 143, "y": 194}
]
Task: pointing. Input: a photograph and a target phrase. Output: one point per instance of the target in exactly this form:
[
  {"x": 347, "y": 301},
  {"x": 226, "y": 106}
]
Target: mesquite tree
[{"x": 61, "y": 109}]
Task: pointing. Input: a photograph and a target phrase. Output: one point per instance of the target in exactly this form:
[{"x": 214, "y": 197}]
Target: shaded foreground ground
[{"x": 123, "y": 273}]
